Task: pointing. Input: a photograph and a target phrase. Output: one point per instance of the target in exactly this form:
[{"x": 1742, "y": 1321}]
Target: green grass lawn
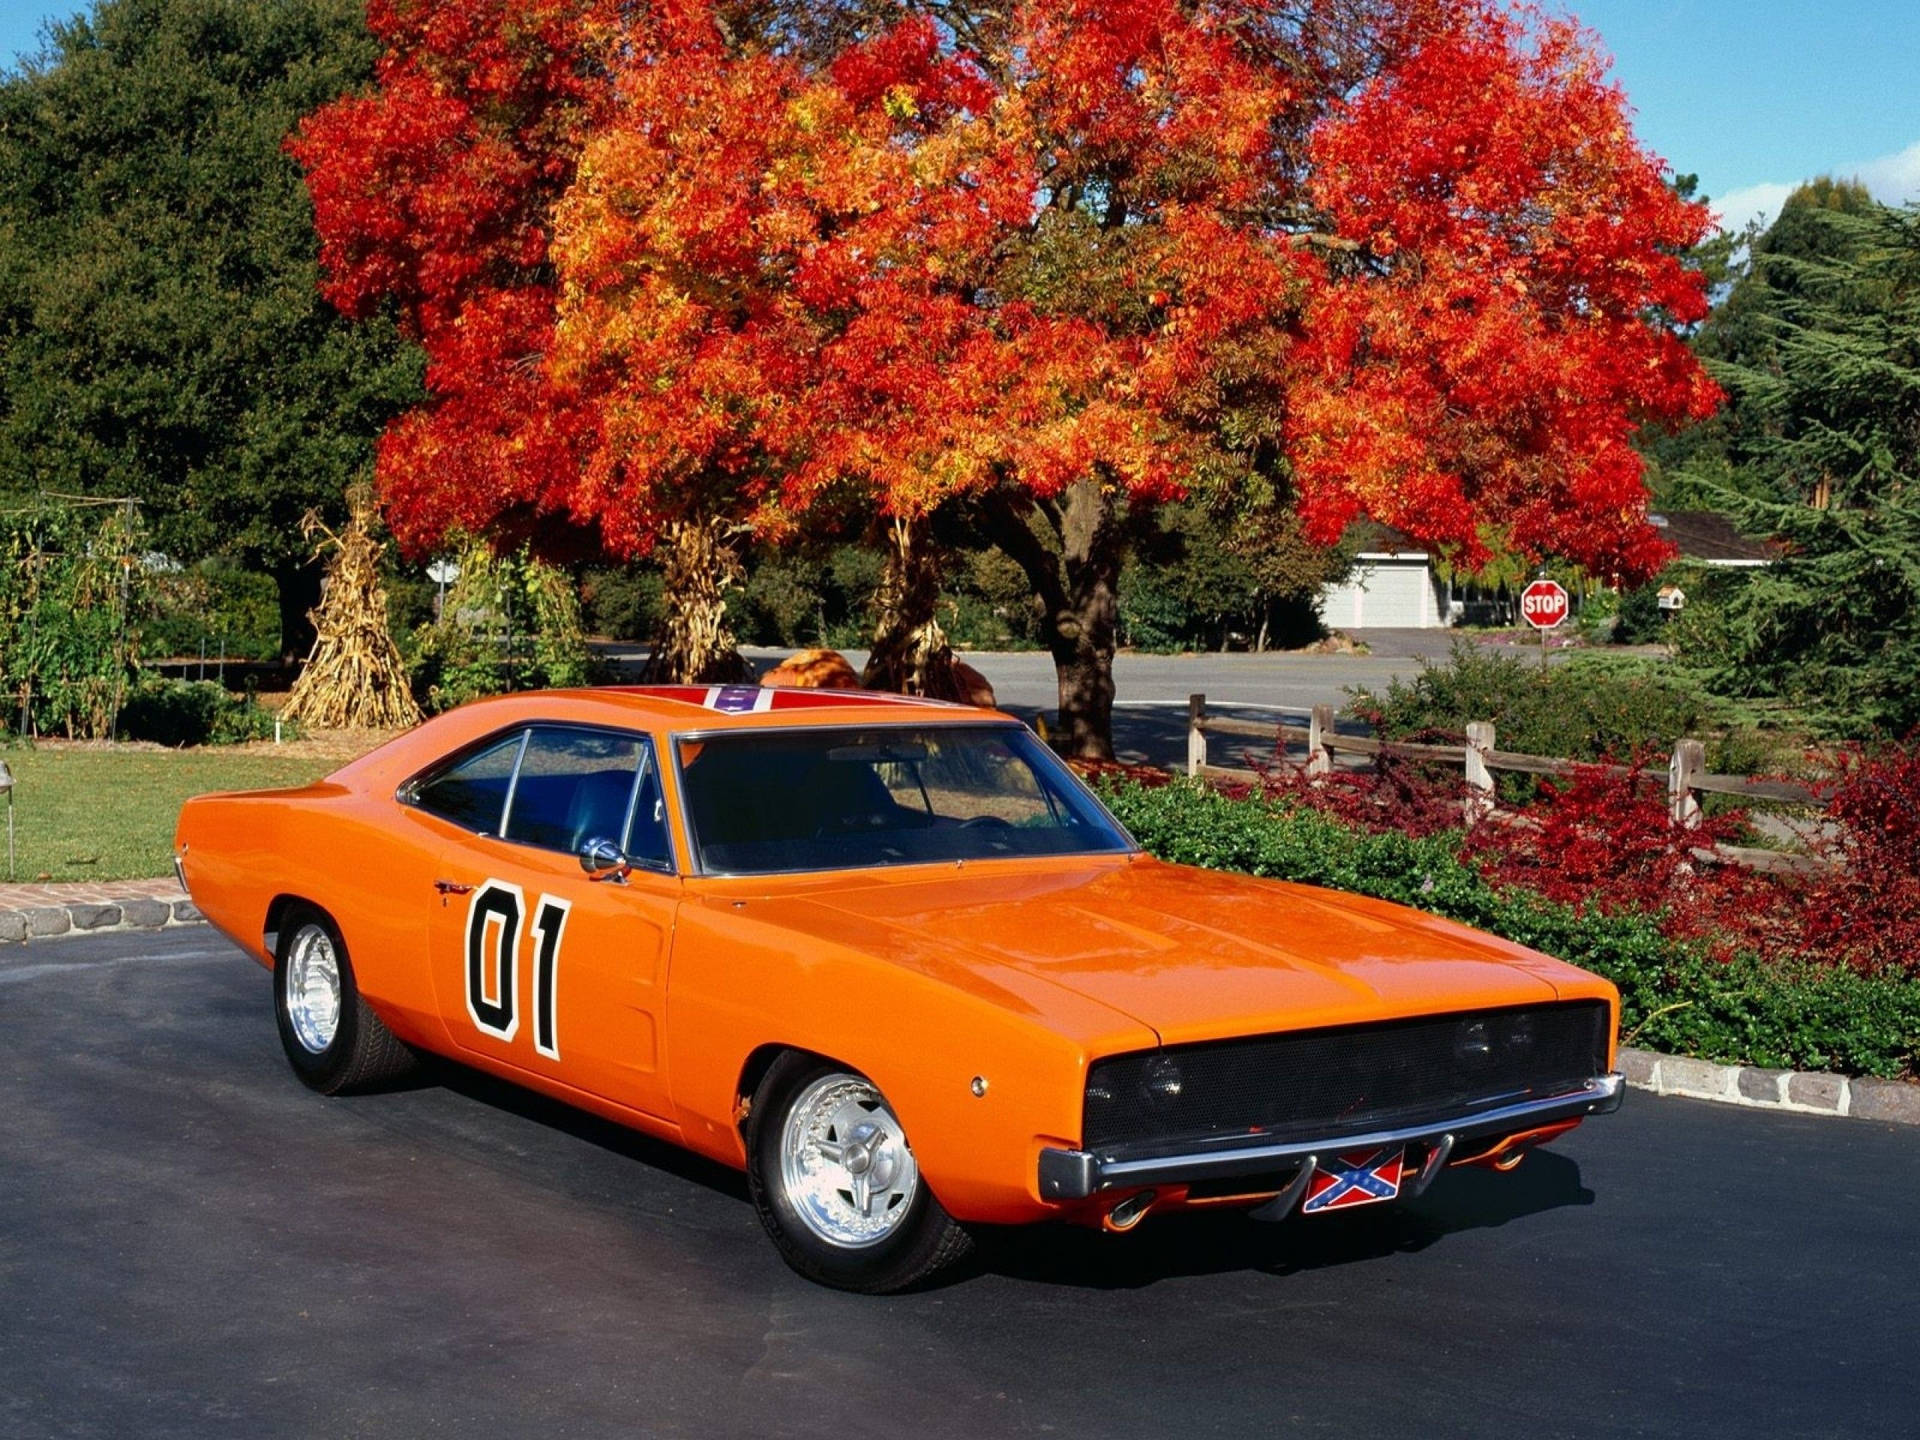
[{"x": 87, "y": 813}]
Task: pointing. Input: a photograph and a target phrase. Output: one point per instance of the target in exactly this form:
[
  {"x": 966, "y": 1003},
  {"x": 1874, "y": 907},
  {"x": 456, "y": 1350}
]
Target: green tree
[
  {"x": 1755, "y": 275},
  {"x": 1825, "y": 386},
  {"x": 1201, "y": 574},
  {"x": 161, "y": 331}
]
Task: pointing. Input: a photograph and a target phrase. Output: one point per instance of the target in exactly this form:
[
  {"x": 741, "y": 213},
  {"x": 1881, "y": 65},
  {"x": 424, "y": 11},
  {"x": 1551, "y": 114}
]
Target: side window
[
  {"x": 574, "y": 786},
  {"x": 649, "y": 842},
  {"x": 473, "y": 792}
]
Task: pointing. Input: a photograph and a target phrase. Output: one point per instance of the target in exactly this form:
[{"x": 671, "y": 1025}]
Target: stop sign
[{"x": 1544, "y": 604}]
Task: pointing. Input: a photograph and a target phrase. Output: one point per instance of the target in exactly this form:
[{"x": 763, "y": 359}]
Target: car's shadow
[
  {"x": 606, "y": 1135},
  {"x": 1164, "y": 1247},
  {"x": 1217, "y": 1241}
]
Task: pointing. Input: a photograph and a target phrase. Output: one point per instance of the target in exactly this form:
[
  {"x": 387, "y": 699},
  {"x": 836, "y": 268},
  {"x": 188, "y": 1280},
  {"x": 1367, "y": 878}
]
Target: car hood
[{"x": 1192, "y": 954}]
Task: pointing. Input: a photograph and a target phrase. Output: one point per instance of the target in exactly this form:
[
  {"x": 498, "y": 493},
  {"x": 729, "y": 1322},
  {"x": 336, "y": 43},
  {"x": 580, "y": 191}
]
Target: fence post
[
  {"x": 1196, "y": 735},
  {"x": 1480, "y": 795},
  {"x": 1688, "y": 763},
  {"x": 1319, "y": 758}
]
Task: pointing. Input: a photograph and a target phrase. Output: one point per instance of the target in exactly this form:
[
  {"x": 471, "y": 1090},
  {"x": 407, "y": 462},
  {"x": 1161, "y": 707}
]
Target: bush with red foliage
[
  {"x": 1405, "y": 796},
  {"x": 1605, "y": 837},
  {"x": 1864, "y": 911},
  {"x": 1602, "y": 837}
]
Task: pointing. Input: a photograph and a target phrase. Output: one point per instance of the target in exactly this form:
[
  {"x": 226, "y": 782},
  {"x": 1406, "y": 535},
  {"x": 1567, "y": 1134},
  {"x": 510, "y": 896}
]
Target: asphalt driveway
[{"x": 191, "y": 1244}]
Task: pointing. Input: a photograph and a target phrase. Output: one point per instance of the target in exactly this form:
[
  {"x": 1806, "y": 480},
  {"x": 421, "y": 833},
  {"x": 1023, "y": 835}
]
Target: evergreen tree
[
  {"x": 161, "y": 330},
  {"x": 1753, "y": 275},
  {"x": 1826, "y": 394}
]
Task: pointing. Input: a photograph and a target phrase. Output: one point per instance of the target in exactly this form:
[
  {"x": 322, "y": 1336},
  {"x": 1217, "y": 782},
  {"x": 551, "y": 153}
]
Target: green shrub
[
  {"x": 510, "y": 622},
  {"x": 192, "y": 712},
  {"x": 622, "y": 603},
  {"x": 69, "y": 586},
  {"x": 1676, "y": 996},
  {"x": 1640, "y": 620},
  {"x": 1577, "y": 712},
  {"x": 212, "y": 609}
]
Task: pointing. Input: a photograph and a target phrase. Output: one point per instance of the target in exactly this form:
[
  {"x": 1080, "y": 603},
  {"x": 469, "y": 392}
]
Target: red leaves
[
  {"x": 1407, "y": 258},
  {"x": 1867, "y": 908},
  {"x": 1497, "y": 359}
]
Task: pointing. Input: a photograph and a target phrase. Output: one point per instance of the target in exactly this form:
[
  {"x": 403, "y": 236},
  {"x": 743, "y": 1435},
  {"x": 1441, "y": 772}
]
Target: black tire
[
  {"x": 924, "y": 1242},
  {"x": 361, "y": 1054}
]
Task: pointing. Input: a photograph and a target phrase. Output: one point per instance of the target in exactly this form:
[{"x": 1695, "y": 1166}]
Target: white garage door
[{"x": 1385, "y": 593}]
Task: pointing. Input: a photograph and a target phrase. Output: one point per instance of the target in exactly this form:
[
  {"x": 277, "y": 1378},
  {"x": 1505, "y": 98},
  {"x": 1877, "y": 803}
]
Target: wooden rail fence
[{"x": 1687, "y": 775}]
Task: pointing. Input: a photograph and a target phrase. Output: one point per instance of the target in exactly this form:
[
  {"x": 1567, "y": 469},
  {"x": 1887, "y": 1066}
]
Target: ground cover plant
[{"x": 1814, "y": 972}]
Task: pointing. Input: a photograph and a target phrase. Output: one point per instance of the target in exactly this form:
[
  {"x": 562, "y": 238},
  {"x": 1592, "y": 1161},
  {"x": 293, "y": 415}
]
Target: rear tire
[
  {"x": 836, "y": 1185},
  {"x": 334, "y": 1041}
]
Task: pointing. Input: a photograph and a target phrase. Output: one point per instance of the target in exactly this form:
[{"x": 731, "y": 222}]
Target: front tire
[
  {"x": 836, "y": 1184},
  {"x": 333, "y": 1040}
]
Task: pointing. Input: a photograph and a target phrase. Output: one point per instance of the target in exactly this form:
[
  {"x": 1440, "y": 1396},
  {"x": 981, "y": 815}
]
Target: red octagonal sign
[{"x": 1544, "y": 604}]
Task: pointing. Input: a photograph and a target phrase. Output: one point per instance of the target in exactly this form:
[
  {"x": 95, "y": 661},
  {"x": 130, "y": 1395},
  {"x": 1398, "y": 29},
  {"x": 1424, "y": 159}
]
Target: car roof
[{"x": 727, "y": 707}]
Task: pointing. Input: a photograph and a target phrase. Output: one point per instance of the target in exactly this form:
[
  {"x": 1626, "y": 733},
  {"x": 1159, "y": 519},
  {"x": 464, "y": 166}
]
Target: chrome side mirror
[{"x": 603, "y": 860}]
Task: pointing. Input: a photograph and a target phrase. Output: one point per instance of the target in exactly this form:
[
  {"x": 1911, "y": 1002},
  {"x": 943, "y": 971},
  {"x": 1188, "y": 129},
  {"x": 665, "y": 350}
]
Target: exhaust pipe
[{"x": 1129, "y": 1212}]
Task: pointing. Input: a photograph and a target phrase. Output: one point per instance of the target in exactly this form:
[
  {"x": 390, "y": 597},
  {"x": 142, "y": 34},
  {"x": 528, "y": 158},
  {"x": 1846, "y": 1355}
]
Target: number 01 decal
[{"x": 493, "y": 962}]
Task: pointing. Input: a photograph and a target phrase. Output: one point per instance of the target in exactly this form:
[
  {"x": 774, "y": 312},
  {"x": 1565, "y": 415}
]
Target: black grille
[{"x": 1347, "y": 1080}]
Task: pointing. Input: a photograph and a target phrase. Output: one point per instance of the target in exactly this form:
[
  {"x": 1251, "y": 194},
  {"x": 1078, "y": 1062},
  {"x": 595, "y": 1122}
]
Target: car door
[{"x": 537, "y": 964}]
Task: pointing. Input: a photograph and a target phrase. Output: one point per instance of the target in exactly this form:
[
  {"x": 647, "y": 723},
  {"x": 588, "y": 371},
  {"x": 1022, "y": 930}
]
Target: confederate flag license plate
[{"x": 1359, "y": 1177}]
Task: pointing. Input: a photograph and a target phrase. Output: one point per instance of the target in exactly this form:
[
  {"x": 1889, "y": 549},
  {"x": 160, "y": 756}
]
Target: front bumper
[{"x": 1078, "y": 1174}]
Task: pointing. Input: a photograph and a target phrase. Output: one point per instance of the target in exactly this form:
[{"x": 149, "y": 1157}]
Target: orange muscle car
[{"x": 889, "y": 957}]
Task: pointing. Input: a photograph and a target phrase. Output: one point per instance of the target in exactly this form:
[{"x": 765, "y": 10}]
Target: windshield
[{"x": 770, "y": 800}]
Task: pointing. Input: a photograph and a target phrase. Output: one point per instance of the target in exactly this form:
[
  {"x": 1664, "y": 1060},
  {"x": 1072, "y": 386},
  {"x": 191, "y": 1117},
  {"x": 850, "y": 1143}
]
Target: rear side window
[
  {"x": 472, "y": 793},
  {"x": 574, "y": 786}
]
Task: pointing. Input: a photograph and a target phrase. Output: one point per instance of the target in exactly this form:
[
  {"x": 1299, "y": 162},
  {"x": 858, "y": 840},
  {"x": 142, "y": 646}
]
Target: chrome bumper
[{"x": 1077, "y": 1174}]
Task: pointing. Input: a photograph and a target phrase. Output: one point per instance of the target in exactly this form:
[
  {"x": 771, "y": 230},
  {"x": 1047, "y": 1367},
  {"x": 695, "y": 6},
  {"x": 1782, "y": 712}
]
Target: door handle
[{"x": 452, "y": 887}]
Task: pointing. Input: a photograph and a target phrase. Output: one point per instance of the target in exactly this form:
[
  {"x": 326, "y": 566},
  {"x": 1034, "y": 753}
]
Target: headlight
[
  {"x": 1161, "y": 1081},
  {"x": 1473, "y": 1043}
]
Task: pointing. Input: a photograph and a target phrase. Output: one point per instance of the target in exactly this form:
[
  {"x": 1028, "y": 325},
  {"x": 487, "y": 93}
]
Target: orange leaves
[
  {"x": 1403, "y": 259},
  {"x": 1513, "y": 315}
]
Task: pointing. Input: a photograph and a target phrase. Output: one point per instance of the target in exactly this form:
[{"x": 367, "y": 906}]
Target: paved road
[
  {"x": 1150, "y": 721},
  {"x": 193, "y": 1245}
]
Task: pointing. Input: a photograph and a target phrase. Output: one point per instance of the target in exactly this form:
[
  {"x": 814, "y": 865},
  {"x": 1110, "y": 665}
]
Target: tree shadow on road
[{"x": 1214, "y": 1242}]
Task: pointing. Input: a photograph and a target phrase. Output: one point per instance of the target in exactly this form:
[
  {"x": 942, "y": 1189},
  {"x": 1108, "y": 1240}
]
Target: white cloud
[
  {"x": 1893, "y": 179},
  {"x": 1737, "y": 208}
]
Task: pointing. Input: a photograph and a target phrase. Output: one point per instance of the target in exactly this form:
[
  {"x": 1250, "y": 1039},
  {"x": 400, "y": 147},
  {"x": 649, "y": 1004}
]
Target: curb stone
[
  {"x": 1891, "y": 1101},
  {"x": 1800, "y": 1093},
  {"x": 96, "y": 917}
]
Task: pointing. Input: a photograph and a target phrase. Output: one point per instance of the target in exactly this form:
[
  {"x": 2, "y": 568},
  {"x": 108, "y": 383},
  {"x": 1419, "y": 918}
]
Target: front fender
[{"x": 922, "y": 1032}]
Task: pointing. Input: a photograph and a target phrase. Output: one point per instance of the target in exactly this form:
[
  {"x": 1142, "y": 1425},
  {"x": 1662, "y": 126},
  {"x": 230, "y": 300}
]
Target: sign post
[{"x": 1544, "y": 605}]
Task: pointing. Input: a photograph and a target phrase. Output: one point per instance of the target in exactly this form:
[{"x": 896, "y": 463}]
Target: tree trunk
[
  {"x": 1077, "y": 585},
  {"x": 697, "y": 644},
  {"x": 910, "y": 653},
  {"x": 299, "y": 595}
]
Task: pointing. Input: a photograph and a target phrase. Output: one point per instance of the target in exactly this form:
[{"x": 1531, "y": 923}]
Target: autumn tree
[
  {"x": 161, "y": 336},
  {"x": 1042, "y": 267},
  {"x": 433, "y": 194}
]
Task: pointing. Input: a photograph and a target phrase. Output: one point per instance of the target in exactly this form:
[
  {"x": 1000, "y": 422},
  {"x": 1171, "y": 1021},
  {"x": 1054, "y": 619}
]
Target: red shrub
[
  {"x": 1393, "y": 794},
  {"x": 1606, "y": 838},
  {"x": 1865, "y": 912}
]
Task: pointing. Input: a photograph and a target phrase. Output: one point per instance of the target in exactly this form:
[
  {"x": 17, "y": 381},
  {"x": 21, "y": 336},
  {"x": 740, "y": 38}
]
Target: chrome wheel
[
  {"x": 844, "y": 1163},
  {"x": 313, "y": 989}
]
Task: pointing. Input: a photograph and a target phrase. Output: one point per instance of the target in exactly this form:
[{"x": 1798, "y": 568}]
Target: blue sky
[{"x": 1751, "y": 95}]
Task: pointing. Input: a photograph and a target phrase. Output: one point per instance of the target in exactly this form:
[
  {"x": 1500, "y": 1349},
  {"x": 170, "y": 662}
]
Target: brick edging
[
  {"x": 93, "y": 917},
  {"x": 1798, "y": 1092}
]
